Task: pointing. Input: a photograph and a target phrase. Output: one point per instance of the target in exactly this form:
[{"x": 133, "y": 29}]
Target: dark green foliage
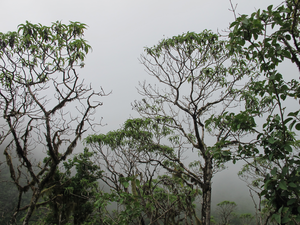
[
  {"x": 271, "y": 36},
  {"x": 137, "y": 134},
  {"x": 71, "y": 197}
]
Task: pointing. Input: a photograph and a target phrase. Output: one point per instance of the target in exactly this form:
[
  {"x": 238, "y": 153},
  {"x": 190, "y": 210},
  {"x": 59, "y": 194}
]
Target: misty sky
[{"x": 118, "y": 30}]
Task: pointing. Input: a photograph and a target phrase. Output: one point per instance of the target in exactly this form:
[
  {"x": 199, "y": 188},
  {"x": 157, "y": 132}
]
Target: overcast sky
[{"x": 118, "y": 30}]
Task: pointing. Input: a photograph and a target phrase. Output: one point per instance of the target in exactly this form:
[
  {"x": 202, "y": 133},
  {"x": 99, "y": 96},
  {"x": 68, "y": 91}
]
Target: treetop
[{"x": 191, "y": 40}]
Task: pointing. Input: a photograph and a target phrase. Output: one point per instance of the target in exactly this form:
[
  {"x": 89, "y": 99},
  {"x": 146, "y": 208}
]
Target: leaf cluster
[
  {"x": 71, "y": 196},
  {"x": 44, "y": 50},
  {"x": 136, "y": 134}
]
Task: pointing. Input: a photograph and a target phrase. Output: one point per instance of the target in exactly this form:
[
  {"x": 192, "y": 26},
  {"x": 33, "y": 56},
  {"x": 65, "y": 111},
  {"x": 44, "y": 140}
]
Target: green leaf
[
  {"x": 288, "y": 37},
  {"x": 274, "y": 171},
  {"x": 126, "y": 184},
  {"x": 271, "y": 140},
  {"x": 293, "y": 113},
  {"x": 283, "y": 96},
  {"x": 292, "y": 124},
  {"x": 282, "y": 185},
  {"x": 288, "y": 148},
  {"x": 137, "y": 182},
  {"x": 291, "y": 201},
  {"x": 284, "y": 171},
  {"x": 277, "y": 217},
  {"x": 293, "y": 185},
  {"x": 288, "y": 120},
  {"x": 298, "y": 218},
  {"x": 297, "y": 126},
  {"x": 234, "y": 161},
  {"x": 270, "y": 157},
  {"x": 285, "y": 220}
]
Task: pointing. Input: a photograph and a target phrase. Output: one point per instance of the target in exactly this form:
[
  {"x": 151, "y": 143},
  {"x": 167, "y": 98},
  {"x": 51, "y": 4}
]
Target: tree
[
  {"x": 271, "y": 37},
  {"x": 253, "y": 174},
  {"x": 197, "y": 78},
  {"x": 72, "y": 197},
  {"x": 8, "y": 197},
  {"x": 132, "y": 157},
  {"x": 35, "y": 61},
  {"x": 246, "y": 218},
  {"x": 225, "y": 211}
]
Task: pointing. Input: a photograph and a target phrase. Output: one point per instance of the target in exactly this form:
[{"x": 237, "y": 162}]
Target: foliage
[
  {"x": 246, "y": 218},
  {"x": 33, "y": 61},
  {"x": 133, "y": 156},
  {"x": 271, "y": 37},
  {"x": 225, "y": 211},
  {"x": 71, "y": 197},
  {"x": 160, "y": 204},
  {"x": 36, "y": 52}
]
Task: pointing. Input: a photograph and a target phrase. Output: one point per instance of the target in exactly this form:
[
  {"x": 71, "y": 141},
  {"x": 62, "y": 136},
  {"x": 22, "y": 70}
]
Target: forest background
[
  {"x": 111, "y": 111},
  {"x": 118, "y": 31}
]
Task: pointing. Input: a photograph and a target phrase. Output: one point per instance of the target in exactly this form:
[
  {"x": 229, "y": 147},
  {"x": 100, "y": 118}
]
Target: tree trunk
[
  {"x": 34, "y": 200},
  {"x": 206, "y": 189},
  {"x": 206, "y": 205}
]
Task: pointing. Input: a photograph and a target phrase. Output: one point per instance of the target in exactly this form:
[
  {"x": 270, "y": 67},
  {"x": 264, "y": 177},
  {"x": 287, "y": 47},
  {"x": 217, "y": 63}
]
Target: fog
[{"x": 118, "y": 31}]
